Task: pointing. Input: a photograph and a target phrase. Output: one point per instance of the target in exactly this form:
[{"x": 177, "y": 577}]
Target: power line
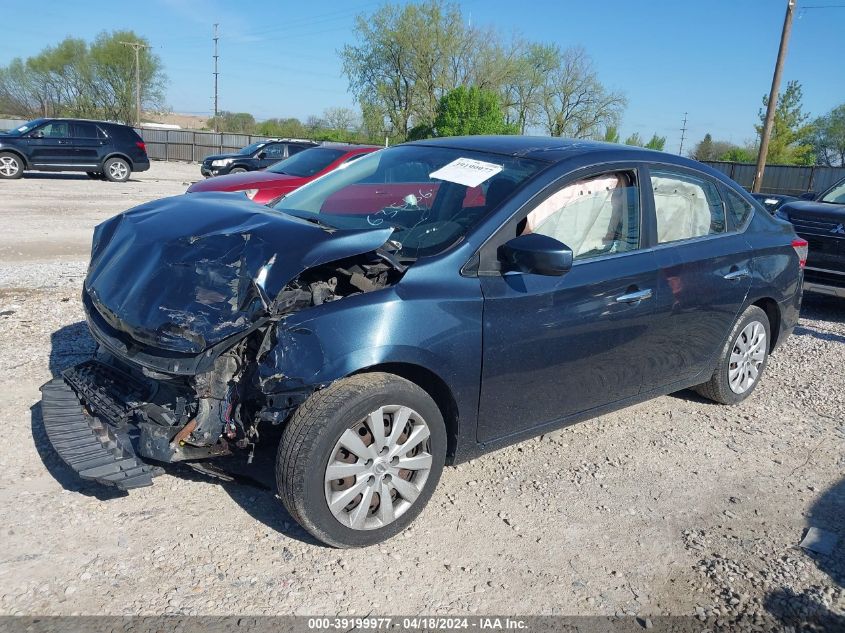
[
  {"x": 215, "y": 37},
  {"x": 683, "y": 135},
  {"x": 137, "y": 46}
]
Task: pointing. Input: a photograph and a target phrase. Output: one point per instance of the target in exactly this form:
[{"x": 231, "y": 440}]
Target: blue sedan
[{"x": 416, "y": 308}]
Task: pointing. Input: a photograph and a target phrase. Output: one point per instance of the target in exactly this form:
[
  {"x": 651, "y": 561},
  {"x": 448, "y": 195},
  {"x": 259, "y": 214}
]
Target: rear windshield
[
  {"x": 430, "y": 196},
  {"x": 307, "y": 162}
]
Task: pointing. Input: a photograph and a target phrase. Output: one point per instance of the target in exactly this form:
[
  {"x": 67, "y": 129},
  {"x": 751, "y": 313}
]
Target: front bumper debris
[{"x": 91, "y": 447}]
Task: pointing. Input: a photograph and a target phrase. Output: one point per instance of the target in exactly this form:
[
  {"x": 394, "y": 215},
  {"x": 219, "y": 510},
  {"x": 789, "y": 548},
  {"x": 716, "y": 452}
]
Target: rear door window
[
  {"x": 85, "y": 130},
  {"x": 686, "y": 206}
]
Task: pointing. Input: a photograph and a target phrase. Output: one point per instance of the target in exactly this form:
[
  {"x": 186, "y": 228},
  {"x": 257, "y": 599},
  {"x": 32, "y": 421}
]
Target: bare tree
[{"x": 574, "y": 102}]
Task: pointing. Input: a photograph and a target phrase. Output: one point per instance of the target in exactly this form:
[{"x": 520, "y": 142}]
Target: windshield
[
  {"x": 307, "y": 162},
  {"x": 26, "y": 127},
  {"x": 836, "y": 195},
  {"x": 251, "y": 149},
  {"x": 431, "y": 196}
]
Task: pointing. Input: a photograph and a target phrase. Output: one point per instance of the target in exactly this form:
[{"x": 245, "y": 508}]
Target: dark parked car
[
  {"x": 101, "y": 149},
  {"x": 540, "y": 283},
  {"x": 253, "y": 157},
  {"x": 822, "y": 223},
  {"x": 772, "y": 201},
  {"x": 287, "y": 175}
]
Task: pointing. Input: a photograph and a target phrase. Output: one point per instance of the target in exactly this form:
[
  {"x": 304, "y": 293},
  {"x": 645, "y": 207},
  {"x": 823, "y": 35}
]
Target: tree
[
  {"x": 611, "y": 134},
  {"x": 635, "y": 140},
  {"x": 656, "y": 142},
  {"x": 738, "y": 154},
  {"x": 467, "y": 111},
  {"x": 828, "y": 138},
  {"x": 408, "y": 56},
  {"x": 233, "y": 123},
  {"x": 790, "y": 142},
  {"x": 703, "y": 150},
  {"x": 75, "y": 79},
  {"x": 284, "y": 128},
  {"x": 574, "y": 102}
]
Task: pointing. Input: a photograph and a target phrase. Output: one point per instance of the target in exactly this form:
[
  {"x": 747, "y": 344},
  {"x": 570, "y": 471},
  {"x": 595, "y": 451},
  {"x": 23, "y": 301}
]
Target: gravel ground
[{"x": 676, "y": 506}]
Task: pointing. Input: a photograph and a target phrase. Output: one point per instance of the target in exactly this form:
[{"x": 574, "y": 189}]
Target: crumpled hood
[{"x": 187, "y": 272}]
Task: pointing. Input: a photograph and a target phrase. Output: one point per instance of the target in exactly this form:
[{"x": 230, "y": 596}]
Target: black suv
[
  {"x": 821, "y": 221},
  {"x": 102, "y": 150},
  {"x": 253, "y": 157}
]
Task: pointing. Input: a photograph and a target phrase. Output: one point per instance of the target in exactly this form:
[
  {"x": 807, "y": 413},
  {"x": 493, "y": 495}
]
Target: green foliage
[
  {"x": 738, "y": 154},
  {"x": 75, "y": 79},
  {"x": 656, "y": 142},
  {"x": 704, "y": 149},
  {"x": 407, "y": 57},
  {"x": 611, "y": 134},
  {"x": 791, "y": 139},
  {"x": 828, "y": 137},
  {"x": 284, "y": 128},
  {"x": 469, "y": 111},
  {"x": 634, "y": 139},
  {"x": 233, "y": 123}
]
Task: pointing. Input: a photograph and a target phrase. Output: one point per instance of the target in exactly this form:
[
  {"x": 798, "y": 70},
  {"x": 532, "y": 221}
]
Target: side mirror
[
  {"x": 36, "y": 134},
  {"x": 810, "y": 195},
  {"x": 535, "y": 253}
]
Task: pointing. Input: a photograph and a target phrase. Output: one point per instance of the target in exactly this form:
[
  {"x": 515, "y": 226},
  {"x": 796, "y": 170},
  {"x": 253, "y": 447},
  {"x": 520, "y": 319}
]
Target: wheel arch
[
  {"x": 117, "y": 155},
  {"x": 18, "y": 153},
  {"x": 435, "y": 387},
  {"x": 772, "y": 310}
]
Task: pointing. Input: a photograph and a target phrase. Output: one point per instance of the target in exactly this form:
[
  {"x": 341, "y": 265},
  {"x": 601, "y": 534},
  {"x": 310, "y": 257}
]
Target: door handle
[
  {"x": 634, "y": 297},
  {"x": 736, "y": 275}
]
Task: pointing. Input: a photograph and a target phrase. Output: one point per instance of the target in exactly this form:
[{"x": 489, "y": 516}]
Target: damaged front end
[{"x": 185, "y": 297}]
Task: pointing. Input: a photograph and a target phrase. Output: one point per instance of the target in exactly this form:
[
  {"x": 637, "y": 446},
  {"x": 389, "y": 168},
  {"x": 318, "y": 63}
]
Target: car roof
[
  {"x": 71, "y": 120},
  {"x": 553, "y": 149}
]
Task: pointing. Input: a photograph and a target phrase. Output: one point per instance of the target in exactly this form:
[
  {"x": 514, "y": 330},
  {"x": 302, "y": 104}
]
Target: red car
[{"x": 285, "y": 176}]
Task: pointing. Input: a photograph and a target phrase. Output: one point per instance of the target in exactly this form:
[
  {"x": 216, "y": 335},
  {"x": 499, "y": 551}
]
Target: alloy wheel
[
  {"x": 9, "y": 166},
  {"x": 378, "y": 468},
  {"x": 118, "y": 170},
  {"x": 747, "y": 356}
]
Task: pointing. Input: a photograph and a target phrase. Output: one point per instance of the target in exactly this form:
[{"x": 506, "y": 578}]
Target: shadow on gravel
[
  {"x": 251, "y": 486},
  {"x": 810, "y": 610},
  {"x": 70, "y": 345},
  {"x": 50, "y": 175},
  {"x": 821, "y": 307}
]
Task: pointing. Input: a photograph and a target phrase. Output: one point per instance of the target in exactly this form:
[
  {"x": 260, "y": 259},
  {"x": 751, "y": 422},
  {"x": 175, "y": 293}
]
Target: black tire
[
  {"x": 95, "y": 175},
  {"x": 310, "y": 440},
  {"x": 237, "y": 170},
  {"x": 11, "y": 166},
  {"x": 718, "y": 388},
  {"x": 116, "y": 170}
]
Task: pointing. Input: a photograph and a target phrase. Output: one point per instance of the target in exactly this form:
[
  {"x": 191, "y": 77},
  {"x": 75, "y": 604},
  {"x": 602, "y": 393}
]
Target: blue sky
[{"x": 711, "y": 59}]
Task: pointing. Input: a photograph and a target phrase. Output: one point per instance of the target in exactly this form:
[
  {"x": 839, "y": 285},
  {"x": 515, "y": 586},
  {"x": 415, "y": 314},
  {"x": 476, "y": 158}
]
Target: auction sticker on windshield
[{"x": 466, "y": 171}]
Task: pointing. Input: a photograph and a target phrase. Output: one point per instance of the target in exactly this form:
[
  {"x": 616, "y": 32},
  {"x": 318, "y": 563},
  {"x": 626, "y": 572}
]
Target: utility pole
[
  {"x": 137, "y": 46},
  {"x": 683, "y": 135},
  {"x": 215, "y": 37},
  {"x": 773, "y": 98}
]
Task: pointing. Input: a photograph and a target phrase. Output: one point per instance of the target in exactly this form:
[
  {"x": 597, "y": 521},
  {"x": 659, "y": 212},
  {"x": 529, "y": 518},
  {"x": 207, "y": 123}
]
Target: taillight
[
  {"x": 801, "y": 249},
  {"x": 141, "y": 146}
]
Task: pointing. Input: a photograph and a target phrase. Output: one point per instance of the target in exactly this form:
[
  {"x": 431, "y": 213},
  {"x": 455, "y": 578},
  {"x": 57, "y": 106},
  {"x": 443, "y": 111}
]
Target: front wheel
[
  {"x": 237, "y": 170},
  {"x": 744, "y": 358},
  {"x": 11, "y": 166},
  {"x": 360, "y": 459},
  {"x": 117, "y": 170}
]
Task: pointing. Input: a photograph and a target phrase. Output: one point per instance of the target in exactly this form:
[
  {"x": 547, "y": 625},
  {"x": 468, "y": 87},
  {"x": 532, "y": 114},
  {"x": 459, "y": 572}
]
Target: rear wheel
[
  {"x": 11, "y": 166},
  {"x": 360, "y": 459},
  {"x": 744, "y": 358},
  {"x": 117, "y": 170}
]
